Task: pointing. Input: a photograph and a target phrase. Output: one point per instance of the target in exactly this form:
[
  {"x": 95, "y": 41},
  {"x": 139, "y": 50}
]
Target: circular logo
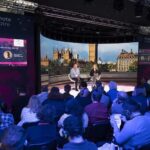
[{"x": 7, "y": 54}]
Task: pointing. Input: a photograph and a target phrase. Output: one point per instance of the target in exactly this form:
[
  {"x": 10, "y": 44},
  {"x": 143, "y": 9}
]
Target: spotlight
[
  {"x": 139, "y": 9},
  {"x": 118, "y": 4}
]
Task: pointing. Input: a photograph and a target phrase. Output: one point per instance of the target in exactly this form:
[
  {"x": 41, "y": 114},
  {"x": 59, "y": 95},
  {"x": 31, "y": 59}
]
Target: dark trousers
[{"x": 76, "y": 82}]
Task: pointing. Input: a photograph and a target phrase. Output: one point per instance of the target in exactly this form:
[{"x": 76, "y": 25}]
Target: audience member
[
  {"x": 43, "y": 95},
  {"x": 13, "y": 138},
  {"x": 29, "y": 113},
  {"x": 135, "y": 132},
  {"x": 117, "y": 105},
  {"x": 84, "y": 96},
  {"x": 73, "y": 131},
  {"x": 55, "y": 99},
  {"x": 139, "y": 95},
  {"x": 19, "y": 103},
  {"x": 96, "y": 111},
  {"x": 45, "y": 130},
  {"x": 66, "y": 95},
  {"x": 6, "y": 119},
  {"x": 112, "y": 93},
  {"x": 74, "y": 108}
]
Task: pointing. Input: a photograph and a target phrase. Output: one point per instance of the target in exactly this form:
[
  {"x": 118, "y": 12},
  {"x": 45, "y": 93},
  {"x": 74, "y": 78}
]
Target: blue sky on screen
[
  {"x": 47, "y": 46},
  {"x": 109, "y": 52}
]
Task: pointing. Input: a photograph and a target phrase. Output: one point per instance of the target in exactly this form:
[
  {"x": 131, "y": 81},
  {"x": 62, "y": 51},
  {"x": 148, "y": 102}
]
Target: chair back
[{"x": 69, "y": 76}]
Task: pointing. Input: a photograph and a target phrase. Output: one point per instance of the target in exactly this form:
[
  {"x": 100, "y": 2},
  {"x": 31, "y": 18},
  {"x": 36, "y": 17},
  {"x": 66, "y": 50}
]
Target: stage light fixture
[
  {"x": 118, "y": 4},
  {"x": 139, "y": 9}
]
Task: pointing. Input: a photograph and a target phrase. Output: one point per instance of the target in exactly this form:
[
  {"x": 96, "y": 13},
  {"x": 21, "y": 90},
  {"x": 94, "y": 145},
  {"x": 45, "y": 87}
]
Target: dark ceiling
[{"x": 100, "y": 8}]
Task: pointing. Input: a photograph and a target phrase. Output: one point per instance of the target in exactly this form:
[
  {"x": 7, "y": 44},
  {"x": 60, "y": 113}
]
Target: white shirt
[
  {"x": 27, "y": 116},
  {"x": 74, "y": 73}
]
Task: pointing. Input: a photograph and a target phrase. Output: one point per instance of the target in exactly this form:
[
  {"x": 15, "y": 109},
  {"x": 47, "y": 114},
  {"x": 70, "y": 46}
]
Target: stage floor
[{"x": 127, "y": 87}]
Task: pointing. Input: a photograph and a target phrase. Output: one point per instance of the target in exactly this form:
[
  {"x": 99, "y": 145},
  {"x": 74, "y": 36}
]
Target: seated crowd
[{"x": 64, "y": 122}]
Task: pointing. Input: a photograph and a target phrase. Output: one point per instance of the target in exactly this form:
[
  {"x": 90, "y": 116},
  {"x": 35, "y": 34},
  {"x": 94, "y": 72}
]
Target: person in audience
[
  {"x": 55, "y": 99},
  {"x": 104, "y": 98},
  {"x": 75, "y": 75},
  {"x": 74, "y": 108},
  {"x": 66, "y": 95},
  {"x": 45, "y": 130},
  {"x": 29, "y": 113},
  {"x": 6, "y": 119},
  {"x": 112, "y": 93},
  {"x": 96, "y": 111},
  {"x": 135, "y": 132},
  {"x": 146, "y": 84},
  {"x": 19, "y": 103},
  {"x": 43, "y": 95},
  {"x": 117, "y": 105},
  {"x": 73, "y": 130},
  {"x": 95, "y": 74},
  {"x": 139, "y": 95},
  {"x": 13, "y": 138},
  {"x": 84, "y": 96}
]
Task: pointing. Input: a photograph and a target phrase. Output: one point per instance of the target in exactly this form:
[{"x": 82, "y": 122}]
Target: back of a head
[
  {"x": 44, "y": 89},
  {"x": 112, "y": 85},
  {"x": 74, "y": 108},
  {"x": 13, "y": 138},
  {"x": 3, "y": 107},
  {"x": 122, "y": 96},
  {"x": 73, "y": 126},
  {"x": 67, "y": 88},
  {"x": 54, "y": 93},
  {"x": 131, "y": 106},
  {"x": 83, "y": 84},
  {"x": 34, "y": 103},
  {"x": 46, "y": 113},
  {"x": 96, "y": 96},
  {"x": 139, "y": 90}
]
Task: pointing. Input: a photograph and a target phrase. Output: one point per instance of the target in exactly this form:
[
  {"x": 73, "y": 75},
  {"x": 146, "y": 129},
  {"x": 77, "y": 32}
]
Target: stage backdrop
[{"x": 17, "y": 58}]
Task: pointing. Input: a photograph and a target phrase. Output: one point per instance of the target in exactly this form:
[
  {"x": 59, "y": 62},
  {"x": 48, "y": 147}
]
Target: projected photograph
[
  {"x": 120, "y": 57},
  {"x": 13, "y": 52}
]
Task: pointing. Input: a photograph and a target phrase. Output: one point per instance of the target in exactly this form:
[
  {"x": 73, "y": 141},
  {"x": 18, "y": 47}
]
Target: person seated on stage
[
  {"x": 95, "y": 74},
  {"x": 117, "y": 105},
  {"x": 84, "y": 96},
  {"x": 29, "y": 113},
  {"x": 73, "y": 130},
  {"x": 73, "y": 108},
  {"x": 112, "y": 93},
  {"x": 135, "y": 132},
  {"x": 75, "y": 75},
  {"x": 55, "y": 99},
  {"x": 13, "y": 138},
  {"x": 139, "y": 95},
  {"x": 96, "y": 111},
  {"x": 45, "y": 130},
  {"x": 43, "y": 95},
  {"x": 19, "y": 103},
  {"x": 66, "y": 95}
]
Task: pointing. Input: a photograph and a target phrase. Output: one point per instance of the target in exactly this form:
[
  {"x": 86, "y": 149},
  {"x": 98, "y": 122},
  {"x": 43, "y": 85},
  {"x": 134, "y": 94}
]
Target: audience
[
  {"x": 6, "y": 119},
  {"x": 73, "y": 131},
  {"x": 74, "y": 108},
  {"x": 96, "y": 111},
  {"x": 112, "y": 93},
  {"x": 66, "y": 95},
  {"x": 55, "y": 99},
  {"x": 139, "y": 95},
  {"x": 45, "y": 130},
  {"x": 29, "y": 113},
  {"x": 117, "y": 105},
  {"x": 19, "y": 103},
  {"x": 135, "y": 132},
  {"x": 43, "y": 95},
  {"x": 13, "y": 138},
  {"x": 84, "y": 96}
]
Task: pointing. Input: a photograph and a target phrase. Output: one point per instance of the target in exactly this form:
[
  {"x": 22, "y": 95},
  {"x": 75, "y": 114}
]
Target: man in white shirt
[{"x": 75, "y": 75}]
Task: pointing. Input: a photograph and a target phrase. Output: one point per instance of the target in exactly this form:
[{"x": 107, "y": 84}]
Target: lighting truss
[{"x": 84, "y": 18}]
